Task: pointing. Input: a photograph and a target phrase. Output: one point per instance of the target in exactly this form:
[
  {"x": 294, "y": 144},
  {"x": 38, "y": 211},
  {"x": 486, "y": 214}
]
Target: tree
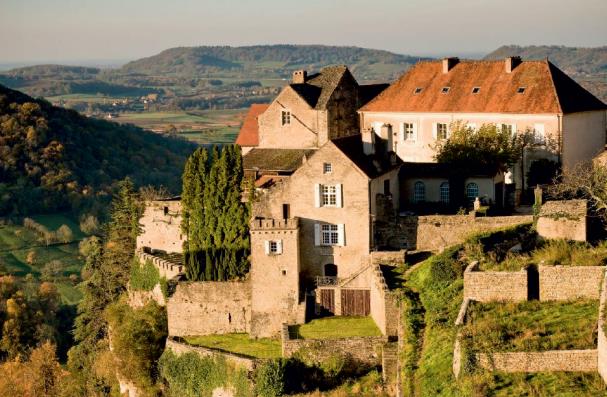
[
  {"x": 31, "y": 257},
  {"x": 587, "y": 181},
  {"x": 51, "y": 270},
  {"x": 89, "y": 224},
  {"x": 65, "y": 234}
]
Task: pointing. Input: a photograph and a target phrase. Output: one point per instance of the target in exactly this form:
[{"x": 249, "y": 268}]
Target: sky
[{"x": 120, "y": 30}]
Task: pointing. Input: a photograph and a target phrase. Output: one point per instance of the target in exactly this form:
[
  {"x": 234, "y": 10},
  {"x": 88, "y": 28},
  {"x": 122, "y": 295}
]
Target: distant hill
[
  {"x": 588, "y": 66},
  {"x": 271, "y": 61},
  {"x": 55, "y": 159}
]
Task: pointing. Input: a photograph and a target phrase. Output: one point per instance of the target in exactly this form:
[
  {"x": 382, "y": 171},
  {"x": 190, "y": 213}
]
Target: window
[
  {"x": 520, "y": 90},
  {"x": 329, "y": 195},
  {"x": 408, "y": 133},
  {"x": 441, "y": 131},
  {"x": 471, "y": 126},
  {"x": 444, "y": 192},
  {"x": 507, "y": 128},
  {"x": 539, "y": 133},
  {"x": 327, "y": 168},
  {"x": 387, "y": 187},
  {"x": 286, "y": 117},
  {"x": 445, "y": 90},
  {"x": 284, "y": 272},
  {"x": 273, "y": 247},
  {"x": 417, "y": 90},
  {"x": 471, "y": 191},
  {"x": 330, "y": 270},
  {"x": 286, "y": 211},
  {"x": 419, "y": 192},
  {"x": 329, "y": 235},
  {"x": 476, "y": 90},
  {"x": 166, "y": 210}
]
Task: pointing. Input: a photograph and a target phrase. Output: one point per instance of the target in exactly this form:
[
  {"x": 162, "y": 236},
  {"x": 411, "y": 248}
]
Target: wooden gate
[
  {"x": 327, "y": 301},
  {"x": 355, "y": 302}
]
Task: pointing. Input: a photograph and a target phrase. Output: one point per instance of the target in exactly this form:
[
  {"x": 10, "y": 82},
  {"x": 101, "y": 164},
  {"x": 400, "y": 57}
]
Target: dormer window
[
  {"x": 417, "y": 90},
  {"x": 476, "y": 90},
  {"x": 520, "y": 90},
  {"x": 445, "y": 90},
  {"x": 286, "y": 117}
]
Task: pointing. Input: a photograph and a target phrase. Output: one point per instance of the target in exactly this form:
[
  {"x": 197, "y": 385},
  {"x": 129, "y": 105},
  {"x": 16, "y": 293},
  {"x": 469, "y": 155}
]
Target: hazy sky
[{"x": 63, "y": 30}]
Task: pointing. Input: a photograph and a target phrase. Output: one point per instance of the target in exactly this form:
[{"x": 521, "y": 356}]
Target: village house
[{"x": 422, "y": 106}]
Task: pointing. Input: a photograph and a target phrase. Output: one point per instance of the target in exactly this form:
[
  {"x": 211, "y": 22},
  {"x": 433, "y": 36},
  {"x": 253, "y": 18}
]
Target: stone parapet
[
  {"x": 179, "y": 348},
  {"x": 274, "y": 224},
  {"x": 564, "y": 219},
  {"x": 165, "y": 268},
  {"x": 552, "y": 360},
  {"x": 602, "y": 339},
  {"x": 393, "y": 258}
]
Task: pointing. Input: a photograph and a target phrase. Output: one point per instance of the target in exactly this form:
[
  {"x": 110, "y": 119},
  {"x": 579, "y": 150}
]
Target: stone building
[{"x": 421, "y": 107}]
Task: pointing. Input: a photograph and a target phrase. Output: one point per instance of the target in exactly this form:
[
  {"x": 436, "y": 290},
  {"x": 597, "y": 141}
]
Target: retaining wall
[
  {"x": 602, "y": 339},
  {"x": 494, "y": 286},
  {"x": 563, "y": 220},
  {"x": 362, "y": 350},
  {"x": 552, "y": 360},
  {"x": 209, "y": 307},
  {"x": 181, "y": 348},
  {"x": 394, "y": 258},
  {"x": 384, "y": 308},
  {"x": 570, "y": 282}
]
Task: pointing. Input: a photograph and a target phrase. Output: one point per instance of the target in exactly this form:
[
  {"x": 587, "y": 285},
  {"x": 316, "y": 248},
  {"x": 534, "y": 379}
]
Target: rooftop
[
  {"x": 319, "y": 87},
  {"x": 485, "y": 86},
  {"x": 372, "y": 165},
  {"x": 249, "y": 132},
  {"x": 278, "y": 160}
]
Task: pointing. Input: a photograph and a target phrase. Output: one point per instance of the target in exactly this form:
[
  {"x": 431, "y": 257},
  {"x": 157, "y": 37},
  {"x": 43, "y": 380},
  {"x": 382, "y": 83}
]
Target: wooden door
[
  {"x": 327, "y": 301},
  {"x": 355, "y": 302}
]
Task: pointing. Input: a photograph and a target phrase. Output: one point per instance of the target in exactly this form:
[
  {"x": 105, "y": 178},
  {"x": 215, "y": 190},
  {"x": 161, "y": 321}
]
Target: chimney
[
  {"x": 368, "y": 137},
  {"x": 299, "y": 76},
  {"x": 449, "y": 63},
  {"x": 511, "y": 63}
]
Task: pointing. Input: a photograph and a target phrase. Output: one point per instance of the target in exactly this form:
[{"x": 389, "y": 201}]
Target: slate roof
[
  {"x": 546, "y": 90},
  {"x": 372, "y": 165},
  {"x": 319, "y": 87},
  {"x": 280, "y": 160},
  {"x": 249, "y": 132}
]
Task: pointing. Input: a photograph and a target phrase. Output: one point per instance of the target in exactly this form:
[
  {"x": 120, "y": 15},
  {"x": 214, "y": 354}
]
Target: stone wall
[
  {"x": 384, "y": 307},
  {"x": 137, "y": 299},
  {"x": 165, "y": 267},
  {"x": 494, "y": 286},
  {"x": 179, "y": 348},
  {"x": 563, "y": 220},
  {"x": 552, "y": 360},
  {"x": 393, "y": 258},
  {"x": 436, "y": 232},
  {"x": 362, "y": 350},
  {"x": 161, "y": 226},
  {"x": 209, "y": 307},
  {"x": 570, "y": 282}
]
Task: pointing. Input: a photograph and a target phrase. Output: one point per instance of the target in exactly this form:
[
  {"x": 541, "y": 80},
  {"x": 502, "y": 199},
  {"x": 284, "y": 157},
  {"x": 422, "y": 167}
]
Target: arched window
[
  {"x": 330, "y": 270},
  {"x": 471, "y": 191},
  {"x": 419, "y": 192},
  {"x": 444, "y": 192}
]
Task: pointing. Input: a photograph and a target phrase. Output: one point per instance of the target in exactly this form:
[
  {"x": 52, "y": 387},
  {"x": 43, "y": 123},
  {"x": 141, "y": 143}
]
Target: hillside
[
  {"x": 588, "y": 66},
  {"x": 54, "y": 158},
  {"x": 271, "y": 61}
]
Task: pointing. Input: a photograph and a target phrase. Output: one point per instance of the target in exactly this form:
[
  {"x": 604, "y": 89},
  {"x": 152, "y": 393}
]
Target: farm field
[
  {"x": 202, "y": 127},
  {"x": 17, "y": 242}
]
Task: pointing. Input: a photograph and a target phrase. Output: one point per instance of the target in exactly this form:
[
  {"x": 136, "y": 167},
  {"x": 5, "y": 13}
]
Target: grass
[
  {"x": 240, "y": 344},
  {"x": 336, "y": 327},
  {"x": 532, "y": 326},
  {"x": 369, "y": 385}
]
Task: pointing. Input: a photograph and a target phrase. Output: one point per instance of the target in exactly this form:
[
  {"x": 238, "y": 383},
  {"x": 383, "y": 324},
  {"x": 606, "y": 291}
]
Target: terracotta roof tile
[
  {"x": 546, "y": 90},
  {"x": 249, "y": 132}
]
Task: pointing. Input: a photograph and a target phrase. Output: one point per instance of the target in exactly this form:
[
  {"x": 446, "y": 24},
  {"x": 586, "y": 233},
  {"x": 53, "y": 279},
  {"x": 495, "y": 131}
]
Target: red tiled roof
[
  {"x": 249, "y": 132},
  {"x": 546, "y": 90}
]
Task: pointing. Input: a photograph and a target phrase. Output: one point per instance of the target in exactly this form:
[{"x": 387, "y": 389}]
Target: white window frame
[
  {"x": 328, "y": 234},
  {"x": 436, "y": 131},
  {"x": 273, "y": 247},
  {"x": 285, "y": 117},
  {"x": 409, "y": 132},
  {"x": 539, "y": 133},
  {"x": 327, "y": 168},
  {"x": 328, "y": 195}
]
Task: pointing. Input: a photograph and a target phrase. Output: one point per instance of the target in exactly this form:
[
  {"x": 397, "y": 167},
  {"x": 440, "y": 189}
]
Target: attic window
[
  {"x": 445, "y": 90},
  {"x": 476, "y": 90},
  {"x": 520, "y": 90},
  {"x": 417, "y": 90}
]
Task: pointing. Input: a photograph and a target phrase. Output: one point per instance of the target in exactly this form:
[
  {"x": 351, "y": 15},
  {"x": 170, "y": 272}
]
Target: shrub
[
  {"x": 445, "y": 267},
  {"x": 89, "y": 224},
  {"x": 270, "y": 378},
  {"x": 144, "y": 277},
  {"x": 65, "y": 234}
]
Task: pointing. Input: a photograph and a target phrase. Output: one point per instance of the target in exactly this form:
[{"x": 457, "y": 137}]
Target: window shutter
[
  {"x": 316, "y": 234},
  {"x": 279, "y": 247},
  {"x": 340, "y": 234},
  {"x": 317, "y": 195},
  {"x": 415, "y": 131},
  {"x": 338, "y": 196},
  {"x": 267, "y": 245},
  {"x": 513, "y": 129},
  {"x": 434, "y": 130}
]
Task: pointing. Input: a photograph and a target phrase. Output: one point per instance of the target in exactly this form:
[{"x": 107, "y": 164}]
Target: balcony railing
[{"x": 322, "y": 281}]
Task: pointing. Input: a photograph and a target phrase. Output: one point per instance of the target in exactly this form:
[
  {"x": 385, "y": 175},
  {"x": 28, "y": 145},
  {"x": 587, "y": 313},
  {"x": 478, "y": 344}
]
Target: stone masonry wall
[
  {"x": 236, "y": 359},
  {"x": 570, "y": 282},
  {"x": 363, "y": 350},
  {"x": 494, "y": 286},
  {"x": 165, "y": 268},
  {"x": 139, "y": 299},
  {"x": 553, "y": 360},
  {"x": 161, "y": 226},
  {"x": 209, "y": 307},
  {"x": 436, "y": 232},
  {"x": 602, "y": 339},
  {"x": 384, "y": 308},
  {"x": 563, "y": 220}
]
